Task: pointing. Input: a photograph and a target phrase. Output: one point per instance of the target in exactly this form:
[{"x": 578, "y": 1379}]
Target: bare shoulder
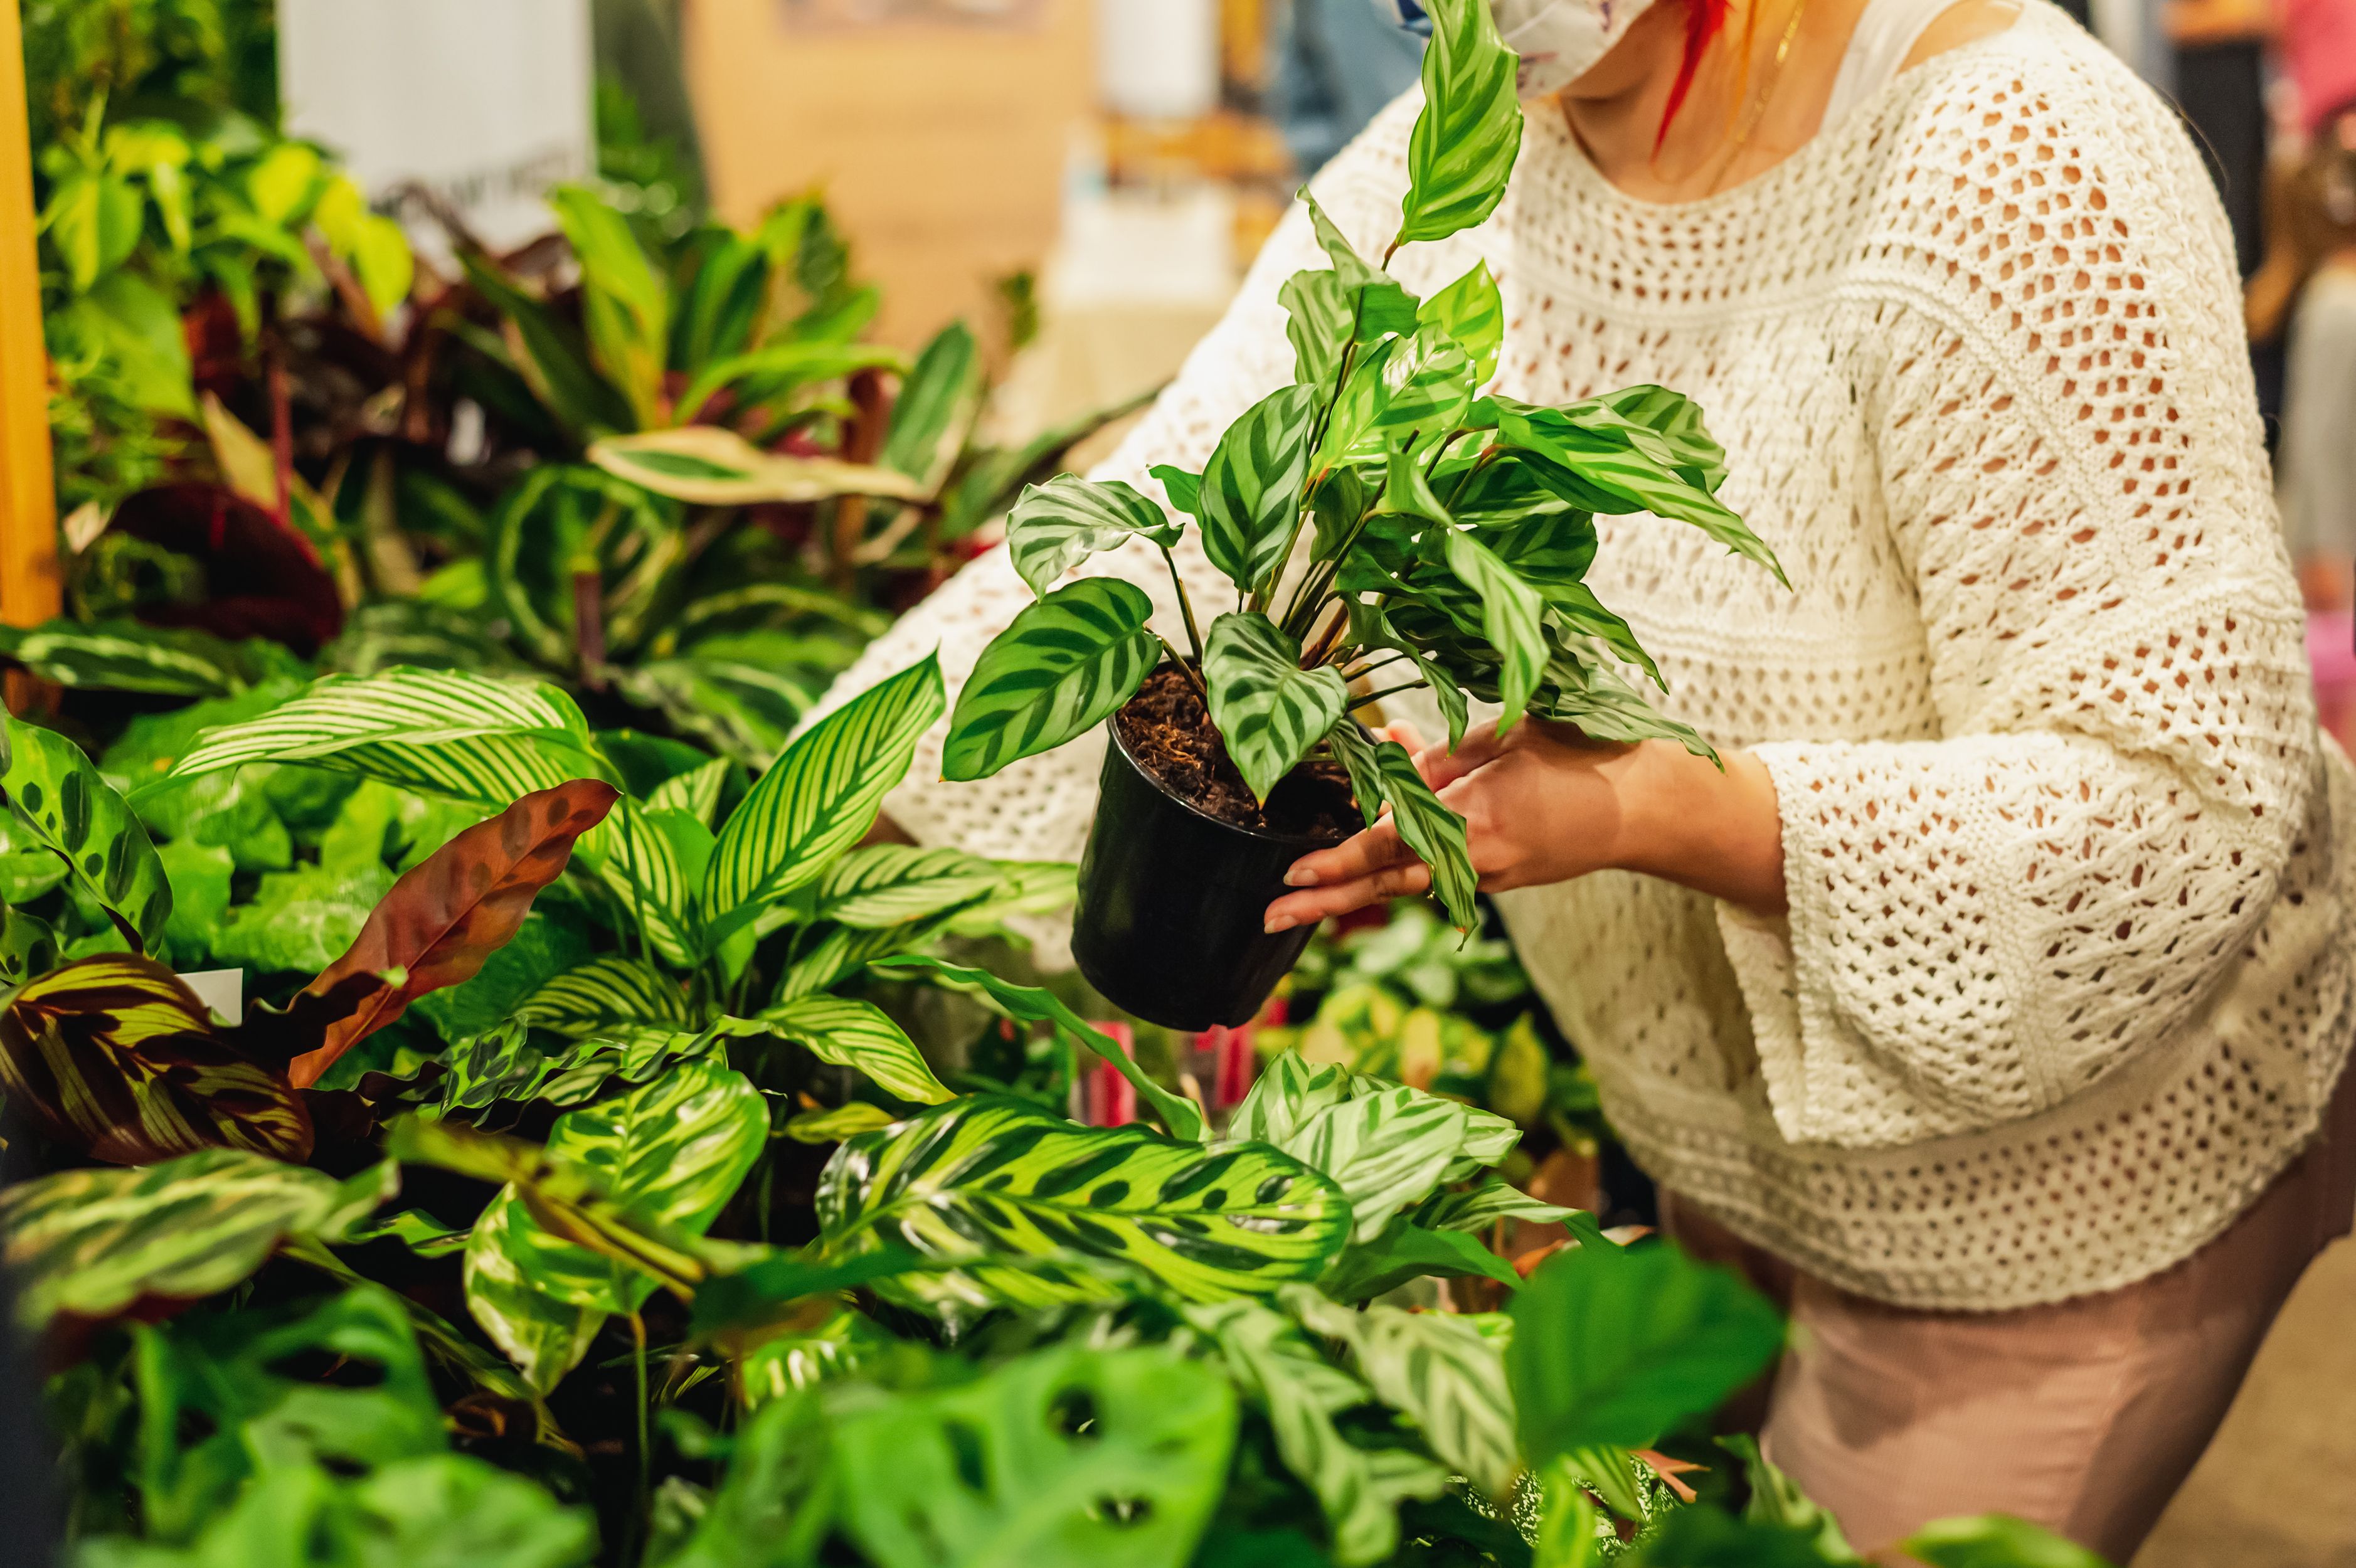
[{"x": 1965, "y": 22}]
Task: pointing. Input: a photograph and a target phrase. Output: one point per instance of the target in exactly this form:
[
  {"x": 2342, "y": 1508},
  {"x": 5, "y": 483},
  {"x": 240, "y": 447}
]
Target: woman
[{"x": 1990, "y": 1000}]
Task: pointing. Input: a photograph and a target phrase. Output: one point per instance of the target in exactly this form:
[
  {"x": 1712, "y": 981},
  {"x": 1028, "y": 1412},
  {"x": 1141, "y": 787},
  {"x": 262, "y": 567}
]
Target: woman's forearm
[{"x": 1717, "y": 832}]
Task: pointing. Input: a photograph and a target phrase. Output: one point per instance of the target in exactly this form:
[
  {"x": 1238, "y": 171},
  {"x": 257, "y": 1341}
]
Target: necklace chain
[{"x": 1757, "y": 109}]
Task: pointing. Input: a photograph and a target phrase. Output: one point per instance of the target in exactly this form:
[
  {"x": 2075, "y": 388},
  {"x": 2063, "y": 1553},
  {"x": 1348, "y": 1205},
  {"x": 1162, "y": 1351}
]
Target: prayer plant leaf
[
  {"x": 937, "y": 401},
  {"x": 1407, "y": 1252},
  {"x": 819, "y": 799},
  {"x": 1617, "y": 1345},
  {"x": 1060, "y": 669},
  {"x": 60, "y": 803},
  {"x": 1465, "y": 140},
  {"x": 707, "y": 465},
  {"x": 609, "y": 990},
  {"x": 1320, "y": 323},
  {"x": 549, "y": 356},
  {"x": 115, "y": 1056},
  {"x": 1379, "y": 303},
  {"x": 992, "y": 1472},
  {"x": 887, "y": 884},
  {"x": 625, "y": 303},
  {"x": 442, "y": 918},
  {"x": 990, "y": 1184},
  {"x": 1251, "y": 488},
  {"x": 1029, "y": 1004},
  {"x": 768, "y": 373},
  {"x": 1060, "y": 524},
  {"x": 695, "y": 792},
  {"x": 651, "y": 861},
  {"x": 1586, "y": 693},
  {"x": 96, "y": 1241},
  {"x": 1267, "y": 708},
  {"x": 1382, "y": 774},
  {"x": 1436, "y": 1368},
  {"x": 1185, "y": 489},
  {"x": 1512, "y": 617},
  {"x": 860, "y": 1035},
  {"x": 1471, "y": 312},
  {"x": 1484, "y": 1205}
]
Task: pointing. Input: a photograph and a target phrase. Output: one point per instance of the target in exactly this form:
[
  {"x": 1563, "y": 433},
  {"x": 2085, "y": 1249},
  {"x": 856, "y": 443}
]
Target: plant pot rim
[{"x": 1306, "y": 841}]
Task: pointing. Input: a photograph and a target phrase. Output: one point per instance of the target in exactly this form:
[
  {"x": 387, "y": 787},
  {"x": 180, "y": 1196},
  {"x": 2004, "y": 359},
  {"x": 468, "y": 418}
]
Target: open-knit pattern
[{"x": 2066, "y": 976}]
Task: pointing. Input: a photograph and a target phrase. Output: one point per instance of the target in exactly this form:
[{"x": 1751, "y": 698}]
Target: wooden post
[{"x": 29, "y": 588}]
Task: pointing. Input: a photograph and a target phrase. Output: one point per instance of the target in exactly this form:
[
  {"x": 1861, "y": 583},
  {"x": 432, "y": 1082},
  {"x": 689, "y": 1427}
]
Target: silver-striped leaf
[
  {"x": 887, "y": 884},
  {"x": 1470, "y": 129},
  {"x": 1061, "y": 666},
  {"x": 1473, "y": 312},
  {"x": 1250, "y": 495},
  {"x": 819, "y": 797},
  {"x": 609, "y": 990},
  {"x": 1437, "y": 1369},
  {"x": 1060, "y": 524},
  {"x": 989, "y": 1182},
  {"x": 862, "y": 1035},
  {"x": 1512, "y": 617},
  {"x": 1383, "y": 774},
  {"x": 1267, "y": 708}
]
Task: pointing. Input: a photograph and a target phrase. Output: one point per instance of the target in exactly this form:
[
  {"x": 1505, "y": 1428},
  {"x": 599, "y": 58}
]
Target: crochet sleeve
[
  {"x": 2071, "y": 468},
  {"x": 1040, "y": 808}
]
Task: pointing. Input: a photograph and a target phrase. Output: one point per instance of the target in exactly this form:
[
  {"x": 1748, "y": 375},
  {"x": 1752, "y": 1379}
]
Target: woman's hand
[{"x": 1545, "y": 803}]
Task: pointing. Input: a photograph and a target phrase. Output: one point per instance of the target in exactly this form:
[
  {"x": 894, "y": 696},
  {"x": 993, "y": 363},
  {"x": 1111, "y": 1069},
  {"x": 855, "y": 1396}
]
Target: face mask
[{"x": 1557, "y": 39}]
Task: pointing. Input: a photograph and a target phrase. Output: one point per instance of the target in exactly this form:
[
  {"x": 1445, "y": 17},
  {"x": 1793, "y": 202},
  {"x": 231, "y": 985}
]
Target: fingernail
[
  {"x": 1276, "y": 923},
  {"x": 1300, "y": 877}
]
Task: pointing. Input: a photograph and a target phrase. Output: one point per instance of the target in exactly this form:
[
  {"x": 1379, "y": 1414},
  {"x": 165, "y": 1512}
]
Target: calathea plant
[{"x": 1447, "y": 533}]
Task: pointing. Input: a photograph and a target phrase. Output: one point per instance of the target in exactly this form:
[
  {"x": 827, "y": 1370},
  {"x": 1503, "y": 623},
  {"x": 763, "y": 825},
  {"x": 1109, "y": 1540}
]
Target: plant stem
[
  {"x": 1194, "y": 677},
  {"x": 1186, "y": 605},
  {"x": 646, "y": 1458},
  {"x": 1358, "y": 703},
  {"x": 1364, "y": 670}
]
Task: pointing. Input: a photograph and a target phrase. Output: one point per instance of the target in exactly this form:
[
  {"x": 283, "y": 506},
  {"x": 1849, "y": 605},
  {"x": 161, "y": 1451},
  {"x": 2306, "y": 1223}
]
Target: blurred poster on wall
[
  {"x": 484, "y": 106},
  {"x": 828, "y": 15}
]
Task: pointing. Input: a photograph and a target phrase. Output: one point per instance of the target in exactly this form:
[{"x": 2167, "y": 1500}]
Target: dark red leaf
[{"x": 263, "y": 582}]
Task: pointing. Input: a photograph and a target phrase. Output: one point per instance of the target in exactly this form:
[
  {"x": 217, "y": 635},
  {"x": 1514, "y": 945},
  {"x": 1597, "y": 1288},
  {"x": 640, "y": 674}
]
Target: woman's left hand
[{"x": 1545, "y": 803}]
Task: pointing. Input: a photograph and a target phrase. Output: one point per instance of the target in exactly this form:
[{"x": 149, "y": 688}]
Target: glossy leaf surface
[
  {"x": 1267, "y": 708},
  {"x": 1060, "y": 524},
  {"x": 1060, "y": 669}
]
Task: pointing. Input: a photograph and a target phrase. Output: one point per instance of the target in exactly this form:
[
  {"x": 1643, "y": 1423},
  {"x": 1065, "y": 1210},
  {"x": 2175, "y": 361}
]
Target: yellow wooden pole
[{"x": 29, "y": 589}]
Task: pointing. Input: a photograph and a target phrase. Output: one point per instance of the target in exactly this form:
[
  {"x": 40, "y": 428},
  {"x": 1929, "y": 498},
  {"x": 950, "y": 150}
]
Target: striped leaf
[
  {"x": 1386, "y": 1145},
  {"x": 1267, "y": 708},
  {"x": 1666, "y": 426},
  {"x": 1320, "y": 322},
  {"x": 504, "y": 1065},
  {"x": 1031, "y": 1005},
  {"x": 611, "y": 990},
  {"x": 95, "y": 1243},
  {"x": 1585, "y": 692},
  {"x": 706, "y": 465},
  {"x": 989, "y": 1182},
  {"x": 1427, "y": 389},
  {"x": 1484, "y": 1205},
  {"x": 859, "y": 1035},
  {"x": 1060, "y": 669},
  {"x": 695, "y": 792},
  {"x": 60, "y": 803},
  {"x": 543, "y": 1336},
  {"x": 768, "y": 373},
  {"x": 652, "y": 861},
  {"x": 1060, "y": 524},
  {"x": 1381, "y": 304},
  {"x": 842, "y": 949},
  {"x": 1512, "y": 617},
  {"x": 444, "y": 918},
  {"x": 939, "y": 398},
  {"x": 819, "y": 799},
  {"x": 1470, "y": 131},
  {"x": 1437, "y": 1369},
  {"x": 1471, "y": 312},
  {"x": 1575, "y": 606},
  {"x": 125, "y": 656},
  {"x": 834, "y": 1126},
  {"x": 439, "y": 731},
  {"x": 625, "y": 302},
  {"x": 116, "y": 1057},
  {"x": 1382, "y": 774},
  {"x": 887, "y": 884},
  {"x": 1251, "y": 488}
]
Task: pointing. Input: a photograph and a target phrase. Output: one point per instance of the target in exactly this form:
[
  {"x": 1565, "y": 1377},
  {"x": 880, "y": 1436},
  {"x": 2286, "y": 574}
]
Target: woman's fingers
[
  {"x": 1359, "y": 855},
  {"x": 1442, "y": 767},
  {"x": 1406, "y": 734},
  {"x": 1401, "y": 880}
]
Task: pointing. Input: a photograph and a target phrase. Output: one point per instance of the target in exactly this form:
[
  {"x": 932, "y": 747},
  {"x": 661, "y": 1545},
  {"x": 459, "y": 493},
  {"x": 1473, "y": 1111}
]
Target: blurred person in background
[
  {"x": 1337, "y": 64},
  {"x": 1989, "y": 1007},
  {"x": 2311, "y": 295}
]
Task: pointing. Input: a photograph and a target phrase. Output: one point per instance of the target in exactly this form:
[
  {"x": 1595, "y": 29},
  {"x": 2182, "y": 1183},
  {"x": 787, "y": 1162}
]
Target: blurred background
[{"x": 301, "y": 277}]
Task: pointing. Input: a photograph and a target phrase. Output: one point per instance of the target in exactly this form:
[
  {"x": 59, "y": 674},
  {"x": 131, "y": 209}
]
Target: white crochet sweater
[{"x": 2066, "y": 976}]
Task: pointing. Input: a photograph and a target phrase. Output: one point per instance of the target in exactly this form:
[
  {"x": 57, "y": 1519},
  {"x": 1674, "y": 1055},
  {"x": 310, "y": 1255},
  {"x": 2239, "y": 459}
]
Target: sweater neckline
[{"x": 1559, "y": 146}]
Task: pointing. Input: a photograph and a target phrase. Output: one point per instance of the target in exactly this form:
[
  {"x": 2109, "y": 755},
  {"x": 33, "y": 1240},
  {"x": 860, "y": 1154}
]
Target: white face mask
[{"x": 1557, "y": 39}]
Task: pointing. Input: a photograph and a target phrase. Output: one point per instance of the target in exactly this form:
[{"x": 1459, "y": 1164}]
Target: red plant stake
[{"x": 1113, "y": 1099}]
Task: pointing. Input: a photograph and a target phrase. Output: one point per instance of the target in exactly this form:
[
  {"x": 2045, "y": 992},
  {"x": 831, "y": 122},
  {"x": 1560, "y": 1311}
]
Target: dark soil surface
[{"x": 1169, "y": 733}]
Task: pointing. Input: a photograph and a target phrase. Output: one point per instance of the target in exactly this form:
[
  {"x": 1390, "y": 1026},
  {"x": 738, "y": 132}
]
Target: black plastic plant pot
[{"x": 1171, "y": 900}]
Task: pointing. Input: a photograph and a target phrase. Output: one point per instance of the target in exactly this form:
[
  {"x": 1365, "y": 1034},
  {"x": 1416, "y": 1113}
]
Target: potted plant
[{"x": 1447, "y": 535}]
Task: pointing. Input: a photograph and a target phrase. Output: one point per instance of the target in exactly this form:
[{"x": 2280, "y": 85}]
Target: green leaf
[
  {"x": 776, "y": 1506},
  {"x": 94, "y": 1242},
  {"x": 1705, "y": 1538},
  {"x": 936, "y": 404},
  {"x": 1471, "y": 312},
  {"x": 1250, "y": 494},
  {"x": 545, "y": 946},
  {"x": 890, "y": 884},
  {"x": 115, "y": 1056},
  {"x": 1358, "y": 1489},
  {"x": 1183, "y": 489},
  {"x": 1382, "y": 305},
  {"x": 993, "y": 1472},
  {"x": 549, "y": 356},
  {"x": 1205, "y": 1223},
  {"x": 94, "y": 220},
  {"x": 1062, "y": 666},
  {"x": 1267, "y": 708},
  {"x": 1426, "y": 388},
  {"x": 1994, "y": 1541},
  {"x": 1439, "y": 1369},
  {"x": 609, "y": 990},
  {"x": 1466, "y": 138},
  {"x": 695, "y": 792},
  {"x": 1776, "y": 1499},
  {"x": 1616, "y": 1346},
  {"x": 1029, "y": 1003},
  {"x": 768, "y": 373},
  {"x": 1586, "y": 693},
  {"x": 58, "y": 799},
  {"x": 1060, "y": 524},
  {"x": 708, "y": 465},
  {"x": 860, "y": 1035},
  {"x": 819, "y": 799},
  {"x": 625, "y": 303},
  {"x": 124, "y": 656},
  {"x": 1381, "y": 772},
  {"x": 1320, "y": 323},
  {"x": 1484, "y": 1205},
  {"x": 1408, "y": 1251},
  {"x": 1512, "y": 617},
  {"x": 652, "y": 861},
  {"x": 300, "y": 921},
  {"x": 836, "y": 1125}
]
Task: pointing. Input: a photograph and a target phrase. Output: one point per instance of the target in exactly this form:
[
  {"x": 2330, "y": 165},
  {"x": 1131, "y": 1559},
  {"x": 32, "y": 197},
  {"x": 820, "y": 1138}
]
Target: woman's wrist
[{"x": 1716, "y": 830}]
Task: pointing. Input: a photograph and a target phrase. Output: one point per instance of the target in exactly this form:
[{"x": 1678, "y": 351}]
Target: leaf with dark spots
[
  {"x": 54, "y": 792},
  {"x": 445, "y": 917},
  {"x": 116, "y": 1057}
]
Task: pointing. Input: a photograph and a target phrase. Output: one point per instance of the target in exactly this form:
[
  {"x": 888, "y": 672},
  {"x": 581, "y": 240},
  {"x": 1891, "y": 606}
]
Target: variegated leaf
[
  {"x": 695, "y": 792},
  {"x": 1470, "y": 129},
  {"x": 819, "y": 799},
  {"x": 1484, "y": 1205},
  {"x": 887, "y": 884},
  {"x": 860, "y": 1035},
  {"x": 1060, "y": 524},
  {"x": 1267, "y": 708},
  {"x": 1061, "y": 668},
  {"x": 707, "y": 465},
  {"x": 1382, "y": 774},
  {"x": 1471, "y": 311},
  {"x": 1436, "y": 1368},
  {"x": 608, "y": 990},
  {"x": 1511, "y": 615},
  {"x": 1250, "y": 491},
  {"x": 61, "y": 804},
  {"x": 651, "y": 861}
]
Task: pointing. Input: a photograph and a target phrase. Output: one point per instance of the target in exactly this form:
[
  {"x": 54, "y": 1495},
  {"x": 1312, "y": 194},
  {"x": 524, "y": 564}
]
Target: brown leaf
[
  {"x": 445, "y": 917},
  {"x": 115, "y": 1055}
]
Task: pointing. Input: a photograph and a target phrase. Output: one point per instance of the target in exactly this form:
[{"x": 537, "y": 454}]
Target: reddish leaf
[
  {"x": 114, "y": 1055},
  {"x": 261, "y": 580},
  {"x": 446, "y": 917}
]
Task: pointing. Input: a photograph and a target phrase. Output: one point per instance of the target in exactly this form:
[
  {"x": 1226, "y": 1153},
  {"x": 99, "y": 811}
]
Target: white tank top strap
[{"x": 1885, "y": 35}]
